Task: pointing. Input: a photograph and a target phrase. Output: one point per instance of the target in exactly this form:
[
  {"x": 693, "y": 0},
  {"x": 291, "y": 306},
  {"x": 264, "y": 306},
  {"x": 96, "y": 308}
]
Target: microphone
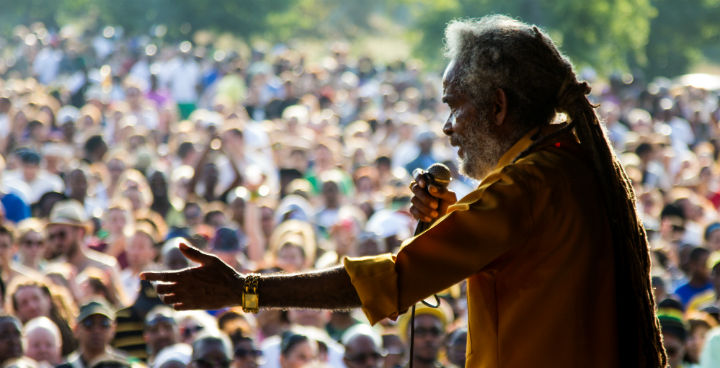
[{"x": 438, "y": 175}]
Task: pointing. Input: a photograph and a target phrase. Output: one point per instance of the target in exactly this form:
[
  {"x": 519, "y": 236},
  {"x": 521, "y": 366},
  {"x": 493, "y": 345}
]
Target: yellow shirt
[{"x": 534, "y": 244}]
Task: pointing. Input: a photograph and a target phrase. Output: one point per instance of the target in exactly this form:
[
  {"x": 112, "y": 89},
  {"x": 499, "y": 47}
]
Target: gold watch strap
[{"x": 250, "y": 303}]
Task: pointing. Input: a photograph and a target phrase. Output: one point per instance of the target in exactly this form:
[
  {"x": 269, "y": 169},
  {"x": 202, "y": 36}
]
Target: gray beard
[{"x": 481, "y": 150}]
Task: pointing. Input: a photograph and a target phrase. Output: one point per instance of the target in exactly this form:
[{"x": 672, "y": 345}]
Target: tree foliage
[
  {"x": 591, "y": 32},
  {"x": 657, "y": 37},
  {"x": 680, "y": 33}
]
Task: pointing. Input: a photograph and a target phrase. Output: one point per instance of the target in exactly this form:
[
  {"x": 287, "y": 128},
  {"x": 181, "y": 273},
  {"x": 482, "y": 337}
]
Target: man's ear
[{"x": 500, "y": 106}]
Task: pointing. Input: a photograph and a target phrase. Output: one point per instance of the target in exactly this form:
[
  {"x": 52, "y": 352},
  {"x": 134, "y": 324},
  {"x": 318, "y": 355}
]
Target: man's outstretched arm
[{"x": 214, "y": 285}]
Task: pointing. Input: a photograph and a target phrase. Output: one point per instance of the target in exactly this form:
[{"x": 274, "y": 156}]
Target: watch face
[{"x": 250, "y": 301}]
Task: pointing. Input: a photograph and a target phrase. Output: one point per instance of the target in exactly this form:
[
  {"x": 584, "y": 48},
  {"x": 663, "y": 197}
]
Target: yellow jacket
[{"x": 534, "y": 244}]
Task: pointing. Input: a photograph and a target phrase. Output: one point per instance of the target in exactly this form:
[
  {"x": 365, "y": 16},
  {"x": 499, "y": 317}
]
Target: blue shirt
[
  {"x": 686, "y": 292},
  {"x": 16, "y": 209}
]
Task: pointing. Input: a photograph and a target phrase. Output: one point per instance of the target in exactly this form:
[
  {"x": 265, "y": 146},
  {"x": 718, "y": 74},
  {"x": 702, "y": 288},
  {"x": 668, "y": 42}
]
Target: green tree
[
  {"x": 599, "y": 33},
  {"x": 678, "y": 35}
]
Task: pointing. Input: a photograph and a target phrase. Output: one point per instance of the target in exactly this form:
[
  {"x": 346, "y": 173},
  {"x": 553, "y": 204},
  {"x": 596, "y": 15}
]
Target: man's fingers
[
  {"x": 445, "y": 196},
  {"x": 419, "y": 216},
  {"x": 422, "y": 207},
  {"x": 171, "y": 299},
  {"x": 195, "y": 254},
  {"x": 165, "y": 288},
  {"x": 166, "y": 276},
  {"x": 424, "y": 197}
]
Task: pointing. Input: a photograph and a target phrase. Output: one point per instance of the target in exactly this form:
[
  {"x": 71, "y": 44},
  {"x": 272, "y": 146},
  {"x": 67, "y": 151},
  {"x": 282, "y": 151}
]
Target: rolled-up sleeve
[
  {"x": 479, "y": 229},
  {"x": 367, "y": 274}
]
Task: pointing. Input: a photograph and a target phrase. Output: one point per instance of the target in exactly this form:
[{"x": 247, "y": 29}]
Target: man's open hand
[{"x": 212, "y": 285}]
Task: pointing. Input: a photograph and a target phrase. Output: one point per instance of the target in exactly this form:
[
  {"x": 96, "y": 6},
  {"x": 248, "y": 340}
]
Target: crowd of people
[{"x": 114, "y": 150}]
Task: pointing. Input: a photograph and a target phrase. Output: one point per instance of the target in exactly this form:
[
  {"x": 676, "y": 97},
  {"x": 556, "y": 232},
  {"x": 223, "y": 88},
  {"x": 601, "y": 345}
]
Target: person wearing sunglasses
[
  {"x": 247, "y": 355},
  {"x": 161, "y": 330},
  {"x": 31, "y": 244},
  {"x": 429, "y": 334},
  {"x": 94, "y": 330},
  {"x": 363, "y": 347},
  {"x": 211, "y": 350},
  {"x": 67, "y": 230}
]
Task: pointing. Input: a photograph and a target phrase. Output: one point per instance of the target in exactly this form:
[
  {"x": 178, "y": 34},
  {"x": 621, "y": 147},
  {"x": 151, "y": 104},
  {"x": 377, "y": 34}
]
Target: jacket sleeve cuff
[{"x": 375, "y": 282}]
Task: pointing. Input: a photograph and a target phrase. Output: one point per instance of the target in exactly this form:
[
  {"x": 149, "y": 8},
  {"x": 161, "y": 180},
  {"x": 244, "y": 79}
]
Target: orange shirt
[{"x": 533, "y": 242}]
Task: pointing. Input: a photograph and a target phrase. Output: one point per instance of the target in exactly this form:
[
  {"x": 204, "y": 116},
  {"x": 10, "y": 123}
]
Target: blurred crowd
[{"x": 114, "y": 150}]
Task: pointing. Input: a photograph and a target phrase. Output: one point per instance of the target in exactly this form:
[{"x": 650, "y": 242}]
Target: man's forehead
[
  {"x": 450, "y": 72},
  {"x": 449, "y": 82}
]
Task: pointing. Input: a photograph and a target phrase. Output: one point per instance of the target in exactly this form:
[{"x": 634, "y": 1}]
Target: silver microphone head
[{"x": 440, "y": 174}]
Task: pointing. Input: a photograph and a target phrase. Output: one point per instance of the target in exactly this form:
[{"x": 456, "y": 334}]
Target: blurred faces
[
  {"x": 300, "y": 351},
  {"x": 361, "y": 352},
  {"x": 43, "y": 346},
  {"x": 78, "y": 184},
  {"x": 140, "y": 251},
  {"x": 291, "y": 257},
  {"x": 428, "y": 338},
  {"x": 713, "y": 242},
  {"x": 31, "y": 301},
  {"x": 696, "y": 341},
  {"x": 32, "y": 247},
  {"x": 246, "y": 354},
  {"x": 115, "y": 167},
  {"x": 29, "y": 171},
  {"x": 175, "y": 260},
  {"x": 331, "y": 194},
  {"x": 116, "y": 221},
  {"x": 456, "y": 348},
  {"x": 94, "y": 333},
  {"x": 209, "y": 353},
  {"x": 675, "y": 350},
  {"x": 64, "y": 239},
  {"x": 10, "y": 342},
  {"x": 6, "y": 249},
  {"x": 160, "y": 334}
]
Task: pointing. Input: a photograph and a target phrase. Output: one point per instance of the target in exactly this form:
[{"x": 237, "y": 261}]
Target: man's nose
[{"x": 447, "y": 127}]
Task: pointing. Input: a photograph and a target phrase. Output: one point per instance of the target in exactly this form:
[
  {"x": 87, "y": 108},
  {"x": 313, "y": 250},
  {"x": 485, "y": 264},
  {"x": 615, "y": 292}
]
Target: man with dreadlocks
[{"x": 556, "y": 260}]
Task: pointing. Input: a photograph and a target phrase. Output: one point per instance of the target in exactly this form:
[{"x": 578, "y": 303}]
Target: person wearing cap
[
  {"x": 552, "y": 231},
  {"x": 429, "y": 334},
  {"x": 67, "y": 228},
  {"x": 31, "y": 173},
  {"x": 712, "y": 237},
  {"x": 94, "y": 330},
  {"x": 674, "y": 332},
  {"x": 161, "y": 331}
]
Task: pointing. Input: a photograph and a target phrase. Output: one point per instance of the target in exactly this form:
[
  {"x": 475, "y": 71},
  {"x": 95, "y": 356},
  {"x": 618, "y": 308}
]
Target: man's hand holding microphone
[{"x": 431, "y": 197}]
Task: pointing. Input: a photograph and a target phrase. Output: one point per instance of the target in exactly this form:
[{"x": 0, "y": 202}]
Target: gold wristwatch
[{"x": 250, "y": 302}]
